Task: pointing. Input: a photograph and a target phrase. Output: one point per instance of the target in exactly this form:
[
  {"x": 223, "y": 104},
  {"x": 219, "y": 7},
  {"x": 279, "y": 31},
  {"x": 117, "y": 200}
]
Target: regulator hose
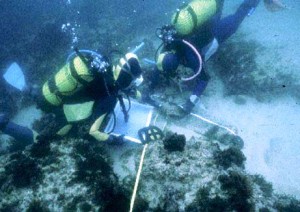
[
  {"x": 82, "y": 51},
  {"x": 199, "y": 59}
]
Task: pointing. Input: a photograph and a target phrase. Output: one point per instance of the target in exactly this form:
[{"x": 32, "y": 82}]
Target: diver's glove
[
  {"x": 115, "y": 139},
  {"x": 3, "y": 120},
  {"x": 188, "y": 106}
]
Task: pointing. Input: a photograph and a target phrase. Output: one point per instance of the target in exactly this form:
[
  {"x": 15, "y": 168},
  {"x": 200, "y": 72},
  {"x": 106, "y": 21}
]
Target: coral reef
[
  {"x": 72, "y": 174},
  {"x": 286, "y": 203},
  {"x": 78, "y": 174},
  {"x": 91, "y": 162},
  {"x": 193, "y": 180},
  {"x": 237, "y": 62},
  {"x": 13, "y": 206},
  {"x": 37, "y": 205},
  {"x": 40, "y": 149},
  {"x": 178, "y": 174},
  {"x": 241, "y": 71},
  {"x": 224, "y": 138},
  {"x": 203, "y": 202},
  {"x": 23, "y": 171},
  {"x": 239, "y": 191},
  {"x": 16, "y": 146},
  {"x": 174, "y": 142},
  {"x": 47, "y": 126},
  {"x": 94, "y": 170},
  {"x": 229, "y": 157},
  {"x": 264, "y": 186}
]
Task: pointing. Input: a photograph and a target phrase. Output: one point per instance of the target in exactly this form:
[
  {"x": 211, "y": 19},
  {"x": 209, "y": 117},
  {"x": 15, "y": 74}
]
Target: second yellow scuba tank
[
  {"x": 67, "y": 81},
  {"x": 193, "y": 15}
]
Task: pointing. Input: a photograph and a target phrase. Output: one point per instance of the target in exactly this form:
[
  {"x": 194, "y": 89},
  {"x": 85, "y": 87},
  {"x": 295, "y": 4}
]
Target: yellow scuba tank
[
  {"x": 67, "y": 81},
  {"x": 193, "y": 15},
  {"x": 122, "y": 62}
]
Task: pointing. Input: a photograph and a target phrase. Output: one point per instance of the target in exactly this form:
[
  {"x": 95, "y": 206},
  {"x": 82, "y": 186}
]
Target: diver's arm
[
  {"x": 199, "y": 88},
  {"x": 22, "y": 134},
  {"x": 102, "y": 136},
  {"x": 95, "y": 129}
]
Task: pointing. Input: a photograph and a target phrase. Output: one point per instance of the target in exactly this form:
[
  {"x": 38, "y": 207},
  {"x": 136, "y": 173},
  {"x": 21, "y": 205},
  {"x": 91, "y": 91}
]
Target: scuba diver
[
  {"x": 194, "y": 35},
  {"x": 86, "y": 89}
]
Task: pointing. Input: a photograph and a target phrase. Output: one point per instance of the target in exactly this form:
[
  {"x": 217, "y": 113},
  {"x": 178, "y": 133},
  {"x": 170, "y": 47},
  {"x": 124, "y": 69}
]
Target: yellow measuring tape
[{"x": 137, "y": 179}]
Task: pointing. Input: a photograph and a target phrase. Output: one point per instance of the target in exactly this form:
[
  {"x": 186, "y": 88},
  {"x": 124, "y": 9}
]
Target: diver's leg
[
  {"x": 3, "y": 121},
  {"x": 227, "y": 26},
  {"x": 201, "y": 85},
  {"x": 197, "y": 92},
  {"x": 202, "y": 80},
  {"x": 103, "y": 107},
  {"x": 20, "y": 133},
  {"x": 220, "y": 4}
]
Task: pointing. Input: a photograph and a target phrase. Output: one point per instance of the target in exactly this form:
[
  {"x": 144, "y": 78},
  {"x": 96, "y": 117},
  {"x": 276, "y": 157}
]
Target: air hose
[
  {"x": 167, "y": 34},
  {"x": 81, "y": 51},
  {"x": 123, "y": 108},
  {"x": 199, "y": 59}
]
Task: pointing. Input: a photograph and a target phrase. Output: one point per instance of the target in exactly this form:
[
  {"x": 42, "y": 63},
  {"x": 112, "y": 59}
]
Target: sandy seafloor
[{"x": 271, "y": 130}]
